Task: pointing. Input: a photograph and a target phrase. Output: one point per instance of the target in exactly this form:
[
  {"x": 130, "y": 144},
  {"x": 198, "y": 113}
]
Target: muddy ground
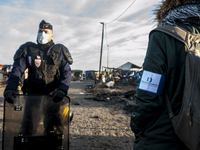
[{"x": 101, "y": 117}]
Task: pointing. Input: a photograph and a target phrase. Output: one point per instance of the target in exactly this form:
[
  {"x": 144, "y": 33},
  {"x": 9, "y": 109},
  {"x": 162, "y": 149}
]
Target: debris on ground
[{"x": 117, "y": 94}]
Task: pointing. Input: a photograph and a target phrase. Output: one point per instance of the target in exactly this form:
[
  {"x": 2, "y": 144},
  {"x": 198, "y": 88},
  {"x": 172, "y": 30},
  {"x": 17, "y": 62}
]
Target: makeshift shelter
[
  {"x": 128, "y": 66},
  {"x": 90, "y": 74},
  {"x": 77, "y": 74}
]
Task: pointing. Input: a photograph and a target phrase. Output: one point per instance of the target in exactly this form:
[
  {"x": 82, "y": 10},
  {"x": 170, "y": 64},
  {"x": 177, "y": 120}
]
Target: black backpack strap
[
  {"x": 178, "y": 33},
  {"x": 181, "y": 35}
]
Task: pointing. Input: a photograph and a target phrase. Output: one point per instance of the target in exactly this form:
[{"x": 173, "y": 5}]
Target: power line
[
  {"x": 106, "y": 31},
  {"x": 122, "y": 13}
]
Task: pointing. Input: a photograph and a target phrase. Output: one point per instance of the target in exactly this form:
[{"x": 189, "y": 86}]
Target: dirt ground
[
  {"x": 101, "y": 118},
  {"x": 100, "y": 124}
]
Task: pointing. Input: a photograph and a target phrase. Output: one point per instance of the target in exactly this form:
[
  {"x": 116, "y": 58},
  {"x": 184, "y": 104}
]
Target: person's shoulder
[
  {"x": 65, "y": 52},
  {"x": 156, "y": 32},
  {"x": 22, "y": 49},
  {"x": 27, "y": 44},
  {"x": 60, "y": 45},
  {"x": 159, "y": 35}
]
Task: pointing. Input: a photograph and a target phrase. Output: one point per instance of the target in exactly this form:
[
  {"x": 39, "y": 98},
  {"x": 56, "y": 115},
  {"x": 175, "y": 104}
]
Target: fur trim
[{"x": 167, "y": 5}]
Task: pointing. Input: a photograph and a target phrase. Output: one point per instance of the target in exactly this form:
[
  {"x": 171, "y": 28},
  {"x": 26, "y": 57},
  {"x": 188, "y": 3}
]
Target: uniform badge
[
  {"x": 29, "y": 60},
  {"x": 37, "y": 62}
]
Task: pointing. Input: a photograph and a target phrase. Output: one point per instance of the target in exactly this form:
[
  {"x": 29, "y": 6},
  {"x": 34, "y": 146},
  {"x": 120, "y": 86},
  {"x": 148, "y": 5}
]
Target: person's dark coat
[{"x": 150, "y": 120}]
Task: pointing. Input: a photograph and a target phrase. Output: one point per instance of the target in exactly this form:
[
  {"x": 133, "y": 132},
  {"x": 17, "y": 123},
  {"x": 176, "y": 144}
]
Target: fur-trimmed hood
[{"x": 167, "y": 5}]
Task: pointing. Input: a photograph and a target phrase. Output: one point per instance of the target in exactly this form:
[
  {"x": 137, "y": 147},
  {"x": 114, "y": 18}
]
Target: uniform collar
[{"x": 47, "y": 45}]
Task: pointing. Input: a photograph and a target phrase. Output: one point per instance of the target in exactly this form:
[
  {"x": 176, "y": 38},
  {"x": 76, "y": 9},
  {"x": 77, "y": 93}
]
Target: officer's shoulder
[
  {"x": 25, "y": 45},
  {"x": 65, "y": 52},
  {"x": 60, "y": 45},
  {"x": 22, "y": 49}
]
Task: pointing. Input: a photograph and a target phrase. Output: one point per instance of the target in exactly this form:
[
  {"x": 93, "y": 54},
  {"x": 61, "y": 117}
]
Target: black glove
[
  {"x": 9, "y": 94},
  {"x": 58, "y": 96}
]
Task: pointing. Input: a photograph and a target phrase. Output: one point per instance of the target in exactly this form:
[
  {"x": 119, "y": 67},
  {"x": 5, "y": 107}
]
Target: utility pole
[
  {"x": 101, "y": 47},
  {"x": 107, "y": 55}
]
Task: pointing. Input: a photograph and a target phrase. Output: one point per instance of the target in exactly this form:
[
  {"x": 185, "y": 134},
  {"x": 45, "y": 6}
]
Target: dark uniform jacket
[
  {"x": 150, "y": 121},
  {"x": 48, "y": 68}
]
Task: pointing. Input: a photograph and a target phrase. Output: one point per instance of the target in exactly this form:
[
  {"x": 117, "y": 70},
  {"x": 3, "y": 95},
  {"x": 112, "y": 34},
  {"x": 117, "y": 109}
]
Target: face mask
[{"x": 43, "y": 37}]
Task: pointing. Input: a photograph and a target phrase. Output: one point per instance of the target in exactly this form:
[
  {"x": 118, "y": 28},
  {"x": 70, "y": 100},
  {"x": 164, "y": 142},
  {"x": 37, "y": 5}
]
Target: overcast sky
[{"x": 77, "y": 26}]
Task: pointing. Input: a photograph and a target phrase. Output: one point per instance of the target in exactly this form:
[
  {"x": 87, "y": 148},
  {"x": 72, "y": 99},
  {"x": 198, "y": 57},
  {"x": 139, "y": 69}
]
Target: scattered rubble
[
  {"x": 110, "y": 84},
  {"x": 112, "y": 96}
]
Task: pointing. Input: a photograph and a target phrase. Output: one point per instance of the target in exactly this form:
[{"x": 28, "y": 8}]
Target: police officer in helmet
[
  {"x": 48, "y": 67},
  {"x": 49, "y": 72}
]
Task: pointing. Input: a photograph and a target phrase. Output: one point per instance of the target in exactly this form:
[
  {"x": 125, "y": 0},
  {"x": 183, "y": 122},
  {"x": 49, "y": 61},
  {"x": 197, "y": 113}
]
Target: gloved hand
[
  {"x": 58, "y": 96},
  {"x": 8, "y": 94}
]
